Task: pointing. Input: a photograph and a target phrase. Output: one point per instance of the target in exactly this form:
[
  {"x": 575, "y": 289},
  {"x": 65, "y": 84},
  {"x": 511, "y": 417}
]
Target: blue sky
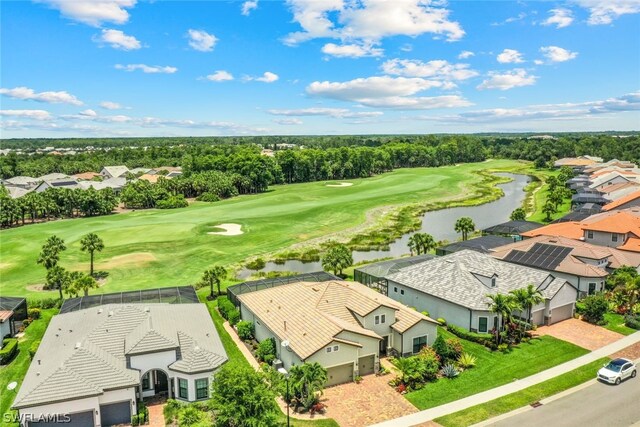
[{"x": 168, "y": 68}]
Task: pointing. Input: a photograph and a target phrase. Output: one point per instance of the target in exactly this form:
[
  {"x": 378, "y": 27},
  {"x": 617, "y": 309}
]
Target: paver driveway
[
  {"x": 372, "y": 401},
  {"x": 583, "y": 334}
]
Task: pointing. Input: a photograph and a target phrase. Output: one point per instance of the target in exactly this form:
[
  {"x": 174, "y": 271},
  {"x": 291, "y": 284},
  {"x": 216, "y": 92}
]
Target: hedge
[
  {"x": 34, "y": 313},
  {"x": 632, "y": 322},
  {"x": 44, "y": 303},
  {"x": 34, "y": 348},
  {"x": 9, "y": 349},
  {"x": 484, "y": 339}
]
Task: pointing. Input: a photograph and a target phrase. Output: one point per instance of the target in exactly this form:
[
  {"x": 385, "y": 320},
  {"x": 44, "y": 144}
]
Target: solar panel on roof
[{"x": 540, "y": 255}]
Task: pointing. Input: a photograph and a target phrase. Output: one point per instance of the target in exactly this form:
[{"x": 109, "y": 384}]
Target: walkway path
[
  {"x": 156, "y": 415},
  {"x": 580, "y": 333},
  {"x": 477, "y": 399}
]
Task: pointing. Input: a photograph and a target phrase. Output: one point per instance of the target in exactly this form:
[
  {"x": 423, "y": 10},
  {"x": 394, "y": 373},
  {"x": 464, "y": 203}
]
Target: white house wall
[
  {"x": 437, "y": 308},
  {"x": 149, "y": 361},
  {"x": 419, "y": 329},
  {"x": 191, "y": 383},
  {"x": 566, "y": 295},
  {"x": 475, "y": 322},
  {"x": 381, "y": 328},
  {"x": 582, "y": 283},
  {"x": 603, "y": 238}
]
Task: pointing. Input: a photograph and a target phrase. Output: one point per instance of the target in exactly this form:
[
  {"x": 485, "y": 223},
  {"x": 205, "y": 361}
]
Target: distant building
[
  {"x": 482, "y": 244},
  {"x": 114, "y": 171},
  {"x": 26, "y": 182},
  {"x": 70, "y": 183}
]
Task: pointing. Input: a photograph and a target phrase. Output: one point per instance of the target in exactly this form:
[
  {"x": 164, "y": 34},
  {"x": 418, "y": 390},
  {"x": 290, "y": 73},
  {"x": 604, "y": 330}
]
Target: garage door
[
  {"x": 81, "y": 419},
  {"x": 115, "y": 413},
  {"x": 340, "y": 374},
  {"x": 561, "y": 313},
  {"x": 537, "y": 317},
  {"x": 366, "y": 365}
]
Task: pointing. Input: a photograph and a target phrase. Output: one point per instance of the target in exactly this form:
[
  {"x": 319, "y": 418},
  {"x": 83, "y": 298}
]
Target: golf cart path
[{"x": 495, "y": 393}]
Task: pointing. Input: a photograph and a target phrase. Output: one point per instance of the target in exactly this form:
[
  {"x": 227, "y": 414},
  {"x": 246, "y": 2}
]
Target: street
[{"x": 597, "y": 405}]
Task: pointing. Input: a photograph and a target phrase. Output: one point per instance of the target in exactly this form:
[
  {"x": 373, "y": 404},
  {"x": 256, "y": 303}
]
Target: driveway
[
  {"x": 370, "y": 402},
  {"x": 583, "y": 334}
]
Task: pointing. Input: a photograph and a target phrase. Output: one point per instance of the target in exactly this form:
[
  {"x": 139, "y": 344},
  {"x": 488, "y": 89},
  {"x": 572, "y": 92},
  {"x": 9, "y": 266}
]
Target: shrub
[
  {"x": 450, "y": 371},
  {"x": 595, "y": 307},
  {"x": 26, "y": 322},
  {"x": 191, "y": 416},
  {"x": 44, "y": 303},
  {"x": 34, "y": 348},
  {"x": 256, "y": 264},
  {"x": 9, "y": 349},
  {"x": 430, "y": 361},
  {"x": 173, "y": 202},
  {"x": 225, "y": 306},
  {"x": 233, "y": 316},
  {"x": 484, "y": 339},
  {"x": 266, "y": 351},
  {"x": 466, "y": 361},
  {"x": 632, "y": 322},
  {"x": 448, "y": 349},
  {"x": 503, "y": 347},
  {"x": 441, "y": 320},
  {"x": 135, "y": 421},
  {"x": 34, "y": 313},
  {"x": 425, "y": 313},
  {"x": 245, "y": 330},
  {"x": 170, "y": 411},
  {"x": 208, "y": 197}
]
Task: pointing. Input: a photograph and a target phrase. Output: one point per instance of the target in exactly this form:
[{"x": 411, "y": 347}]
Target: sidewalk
[{"x": 486, "y": 396}]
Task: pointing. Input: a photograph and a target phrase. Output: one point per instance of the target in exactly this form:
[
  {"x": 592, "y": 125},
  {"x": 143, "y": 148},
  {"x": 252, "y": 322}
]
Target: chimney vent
[{"x": 285, "y": 325}]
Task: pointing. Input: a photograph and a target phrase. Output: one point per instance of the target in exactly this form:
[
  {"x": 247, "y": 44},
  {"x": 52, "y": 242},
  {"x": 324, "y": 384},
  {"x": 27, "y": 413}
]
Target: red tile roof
[
  {"x": 621, "y": 201},
  {"x": 4, "y": 315}
]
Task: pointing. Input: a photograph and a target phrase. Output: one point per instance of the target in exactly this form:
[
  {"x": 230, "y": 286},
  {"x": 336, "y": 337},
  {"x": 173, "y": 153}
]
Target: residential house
[
  {"x": 70, "y": 183},
  {"x": 577, "y": 161},
  {"x": 582, "y": 264},
  {"x": 151, "y": 178},
  {"x": 373, "y": 275},
  {"x": 86, "y": 176},
  {"x": 16, "y": 192},
  {"x": 96, "y": 363},
  {"x": 116, "y": 184},
  {"x": 610, "y": 178},
  {"x": 511, "y": 228},
  {"x": 618, "y": 191},
  {"x": 141, "y": 171},
  {"x": 344, "y": 326},
  {"x": 114, "y": 171},
  {"x": 455, "y": 287},
  {"x": 631, "y": 200},
  {"x": 25, "y": 182},
  {"x": 53, "y": 176},
  {"x": 482, "y": 244},
  {"x": 13, "y": 310}
]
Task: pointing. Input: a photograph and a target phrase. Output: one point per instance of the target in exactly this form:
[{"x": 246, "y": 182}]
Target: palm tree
[
  {"x": 84, "y": 283},
  {"x": 465, "y": 226},
  {"x": 527, "y": 298},
  {"x": 214, "y": 275},
  {"x": 414, "y": 244},
  {"x": 58, "y": 278},
  {"x": 337, "y": 258},
  {"x": 50, "y": 254},
  {"x": 503, "y": 306},
  {"x": 91, "y": 243},
  {"x": 428, "y": 243},
  {"x": 307, "y": 381}
]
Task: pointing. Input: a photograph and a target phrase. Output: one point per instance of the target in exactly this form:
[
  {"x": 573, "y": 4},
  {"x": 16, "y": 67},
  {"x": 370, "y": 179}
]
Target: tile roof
[
  {"x": 151, "y": 178},
  {"x": 53, "y": 176},
  {"x": 116, "y": 171},
  {"x": 573, "y": 263},
  {"x": 570, "y": 229},
  {"x": 623, "y": 221},
  {"x": 311, "y": 315},
  {"x": 87, "y": 176},
  {"x": 84, "y": 352},
  {"x": 632, "y": 244},
  {"x": 21, "y": 180},
  {"x": 621, "y": 201},
  {"x": 5, "y": 314},
  {"x": 456, "y": 278},
  {"x": 16, "y": 192}
]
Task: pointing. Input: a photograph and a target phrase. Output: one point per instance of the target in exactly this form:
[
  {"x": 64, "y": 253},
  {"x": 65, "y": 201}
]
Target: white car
[{"x": 617, "y": 370}]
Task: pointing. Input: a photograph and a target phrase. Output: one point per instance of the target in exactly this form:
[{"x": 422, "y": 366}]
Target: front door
[
  {"x": 161, "y": 383},
  {"x": 384, "y": 343}
]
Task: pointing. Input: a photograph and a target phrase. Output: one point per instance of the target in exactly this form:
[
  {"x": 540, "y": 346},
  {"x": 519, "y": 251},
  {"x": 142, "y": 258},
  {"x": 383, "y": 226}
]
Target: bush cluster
[
  {"x": 44, "y": 303},
  {"x": 632, "y": 322},
  {"x": 228, "y": 310},
  {"x": 245, "y": 330},
  {"x": 34, "y": 313},
  {"x": 595, "y": 307},
  {"x": 33, "y": 348},
  {"x": 208, "y": 197},
  {"x": 266, "y": 351},
  {"x": 484, "y": 339},
  {"x": 9, "y": 349},
  {"x": 173, "y": 202},
  {"x": 448, "y": 349}
]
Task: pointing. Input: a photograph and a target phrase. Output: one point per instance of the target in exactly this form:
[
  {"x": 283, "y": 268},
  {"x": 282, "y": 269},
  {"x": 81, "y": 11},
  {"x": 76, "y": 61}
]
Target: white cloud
[
  {"x": 93, "y": 12},
  {"x": 438, "y": 69},
  {"x": 407, "y": 47},
  {"x": 117, "y": 40},
  {"x": 351, "y": 50},
  {"x": 26, "y": 93},
  {"x": 220, "y": 76},
  {"x": 604, "y": 12},
  {"x": 567, "y": 111},
  {"x": 288, "y": 122},
  {"x": 370, "y": 20},
  {"x": 509, "y": 56},
  {"x": 538, "y": 61},
  {"x": 267, "y": 77},
  {"x": 248, "y": 6},
  {"x": 329, "y": 112},
  {"x": 557, "y": 54},
  {"x": 108, "y": 105},
  {"x": 559, "y": 17},
  {"x": 27, "y": 114},
  {"x": 466, "y": 54},
  {"x": 201, "y": 40},
  {"x": 511, "y": 19},
  {"x": 89, "y": 113},
  {"x": 507, "y": 80},
  {"x": 149, "y": 69},
  {"x": 387, "y": 92}
]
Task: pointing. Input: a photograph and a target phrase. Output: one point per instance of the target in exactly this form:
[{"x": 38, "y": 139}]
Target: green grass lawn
[
  {"x": 494, "y": 369},
  {"x": 538, "y": 200},
  {"x": 236, "y": 357},
  {"x": 522, "y": 398},
  {"x": 17, "y": 369},
  {"x": 615, "y": 323},
  {"x": 155, "y": 248}
]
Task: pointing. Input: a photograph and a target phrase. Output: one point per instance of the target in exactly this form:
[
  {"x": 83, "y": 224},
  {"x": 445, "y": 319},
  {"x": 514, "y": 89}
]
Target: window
[
  {"x": 589, "y": 234},
  {"x": 592, "y": 288},
  {"x": 614, "y": 237},
  {"x": 482, "y": 324},
  {"x": 202, "y": 388},
  {"x": 493, "y": 282},
  {"x": 380, "y": 319},
  {"x": 146, "y": 384},
  {"x": 183, "y": 388},
  {"x": 332, "y": 349},
  {"x": 418, "y": 343},
  {"x": 401, "y": 291},
  {"x": 335, "y": 348},
  {"x": 383, "y": 318},
  {"x": 377, "y": 320},
  {"x": 328, "y": 349},
  {"x": 395, "y": 289}
]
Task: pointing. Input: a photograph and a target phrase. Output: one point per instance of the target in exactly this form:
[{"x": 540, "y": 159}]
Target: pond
[{"x": 440, "y": 224}]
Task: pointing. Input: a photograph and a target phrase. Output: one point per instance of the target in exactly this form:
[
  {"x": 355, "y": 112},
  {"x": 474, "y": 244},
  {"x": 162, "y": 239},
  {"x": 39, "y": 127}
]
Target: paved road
[{"x": 599, "y": 405}]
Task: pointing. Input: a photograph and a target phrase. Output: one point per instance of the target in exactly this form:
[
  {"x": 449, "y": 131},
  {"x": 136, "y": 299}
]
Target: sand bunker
[
  {"x": 342, "y": 184},
  {"x": 229, "y": 230}
]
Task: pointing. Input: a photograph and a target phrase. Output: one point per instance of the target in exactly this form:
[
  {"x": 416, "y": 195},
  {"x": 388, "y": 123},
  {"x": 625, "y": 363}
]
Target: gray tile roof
[
  {"x": 457, "y": 278},
  {"x": 84, "y": 352},
  {"x": 116, "y": 171}
]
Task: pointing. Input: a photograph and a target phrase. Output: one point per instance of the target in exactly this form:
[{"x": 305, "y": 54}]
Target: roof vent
[
  {"x": 38, "y": 374},
  {"x": 39, "y": 361},
  {"x": 78, "y": 345},
  {"x": 110, "y": 313},
  {"x": 196, "y": 348},
  {"x": 99, "y": 311},
  {"x": 146, "y": 309}
]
